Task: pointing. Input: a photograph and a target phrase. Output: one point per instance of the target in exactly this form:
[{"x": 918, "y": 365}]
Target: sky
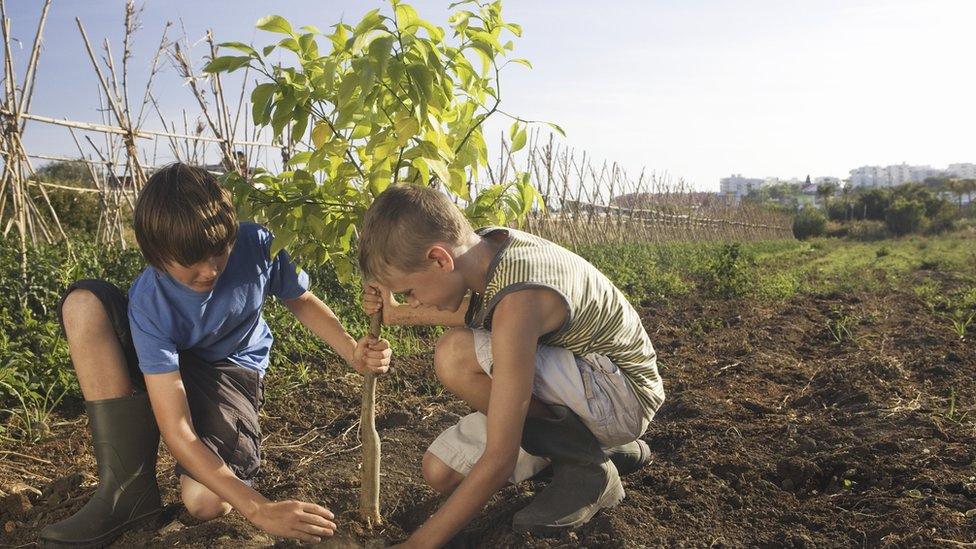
[{"x": 696, "y": 89}]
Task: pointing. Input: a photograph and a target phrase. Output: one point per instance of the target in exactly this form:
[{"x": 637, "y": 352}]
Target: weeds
[
  {"x": 961, "y": 322},
  {"x": 951, "y": 413},
  {"x": 841, "y": 328}
]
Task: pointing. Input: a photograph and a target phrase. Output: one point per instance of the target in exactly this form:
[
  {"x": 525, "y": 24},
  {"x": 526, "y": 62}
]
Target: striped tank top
[{"x": 600, "y": 318}]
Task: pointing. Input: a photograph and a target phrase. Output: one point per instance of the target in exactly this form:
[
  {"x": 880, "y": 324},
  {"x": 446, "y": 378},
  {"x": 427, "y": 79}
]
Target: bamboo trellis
[
  {"x": 117, "y": 165},
  {"x": 590, "y": 203}
]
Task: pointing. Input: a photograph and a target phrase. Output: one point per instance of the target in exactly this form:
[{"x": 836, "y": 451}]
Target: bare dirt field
[{"x": 835, "y": 420}]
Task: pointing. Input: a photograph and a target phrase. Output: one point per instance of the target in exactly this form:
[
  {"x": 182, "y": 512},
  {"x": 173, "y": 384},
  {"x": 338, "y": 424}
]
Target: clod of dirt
[
  {"x": 795, "y": 473},
  {"x": 394, "y": 419},
  {"x": 59, "y": 490},
  {"x": 348, "y": 542},
  {"x": 14, "y": 506}
]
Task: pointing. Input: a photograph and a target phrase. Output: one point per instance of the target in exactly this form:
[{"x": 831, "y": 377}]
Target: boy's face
[
  {"x": 201, "y": 276},
  {"x": 438, "y": 285}
]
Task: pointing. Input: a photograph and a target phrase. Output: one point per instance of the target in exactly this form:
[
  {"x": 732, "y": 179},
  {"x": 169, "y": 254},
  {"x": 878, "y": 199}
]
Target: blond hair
[
  {"x": 183, "y": 215},
  {"x": 403, "y": 221}
]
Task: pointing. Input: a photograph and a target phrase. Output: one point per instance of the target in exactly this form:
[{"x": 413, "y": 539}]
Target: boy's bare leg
[
  {"x": 457, "y": 368},
  {"x": 95, "y": 350},
  {"x": 439, "y": 475},
  {"x": 200, "y": 502}
]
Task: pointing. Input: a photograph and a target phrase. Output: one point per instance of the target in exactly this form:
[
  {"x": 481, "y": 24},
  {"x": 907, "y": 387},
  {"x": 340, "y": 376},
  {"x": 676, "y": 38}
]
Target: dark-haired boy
[{"x": 190, "y": 339}]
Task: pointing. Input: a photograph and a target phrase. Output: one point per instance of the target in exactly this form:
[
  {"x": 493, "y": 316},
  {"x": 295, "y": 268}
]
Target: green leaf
[
  {"x": 518, "y": 141},
  {"x": 406, "y": 17},
  {"x": 261, "y": 103},
  {"x": 421, "y": 80},
  {"x": 423, "y": 169},
  {"x": 274, "y": 23},
  {"x": 440, "y": 170},
  {"x": 226, "y": 63},
  {"x": 321, "y": 134},
  {"x": 369, "y": 22},
  {"x": 521, "y": 61},
  {"x": 557, "y": 128},
  {"x": 405, "y": 129},
  {"x": 299, "y": 159},
  {"x": 239, "y": 46}
]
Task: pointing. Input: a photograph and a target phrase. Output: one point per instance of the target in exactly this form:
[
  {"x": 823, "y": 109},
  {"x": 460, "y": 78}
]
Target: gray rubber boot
[
  {"x": 584, "y": 480},
  {"x": 125, "y": 439},
  {"x": 631, "y": 457}
]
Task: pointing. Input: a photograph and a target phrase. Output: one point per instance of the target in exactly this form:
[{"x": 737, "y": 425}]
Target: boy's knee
[
  {"x": 201, "y": 503},
  {"x": 77, "y": 308},
  {"x": 438, "y": 475},
  {"x": 449, "y": 352}
]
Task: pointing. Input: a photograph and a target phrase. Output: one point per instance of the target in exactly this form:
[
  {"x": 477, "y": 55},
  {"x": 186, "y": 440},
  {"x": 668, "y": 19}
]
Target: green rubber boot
[
  {"x": 125, "y": 439},
  {"x": 631, "y": 457},
  {"x": 584, "y": 480}
]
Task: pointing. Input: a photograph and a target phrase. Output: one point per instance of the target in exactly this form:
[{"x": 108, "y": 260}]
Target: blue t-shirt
[{"x": 223, "y": 323}]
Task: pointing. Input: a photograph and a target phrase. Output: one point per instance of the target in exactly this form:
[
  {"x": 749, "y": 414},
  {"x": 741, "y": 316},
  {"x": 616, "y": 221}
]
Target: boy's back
[{"x": 600, "y": 320}]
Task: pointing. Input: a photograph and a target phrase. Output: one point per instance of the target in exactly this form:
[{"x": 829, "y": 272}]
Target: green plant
[
  {"x": 730, "y": 272},
  {"x": 961, "y": 321},
  {"x": 809, "y": 223},
  {"x": 841, "y": 327},
  {"x": 29, "y": 419},
  {"x": 391, "y": 99},
  {"x": 905, "y": 216},
  {"x": 951, "y": 412}
]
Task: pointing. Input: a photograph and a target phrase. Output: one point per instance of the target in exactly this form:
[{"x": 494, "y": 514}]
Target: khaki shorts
[{"x": 591, "y": 386}]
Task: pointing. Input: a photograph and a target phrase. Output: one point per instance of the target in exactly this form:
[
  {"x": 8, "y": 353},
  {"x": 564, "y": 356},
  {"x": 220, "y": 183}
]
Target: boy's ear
[{"x": 442, "y": 259}]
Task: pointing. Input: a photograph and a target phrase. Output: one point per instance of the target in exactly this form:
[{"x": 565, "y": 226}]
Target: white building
[
  {"x": 965, "y": 170},
  {"x": 890, "y": 176},
  {"x": 735, "y": 187}
]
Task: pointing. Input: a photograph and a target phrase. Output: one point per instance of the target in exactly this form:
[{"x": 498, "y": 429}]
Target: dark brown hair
[
  {"x": 402, "y": 223},
  {"x": 183, "y": 215}
]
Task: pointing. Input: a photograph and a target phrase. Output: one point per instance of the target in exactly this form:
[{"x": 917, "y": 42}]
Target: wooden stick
[{"x": 369, "y": 495}]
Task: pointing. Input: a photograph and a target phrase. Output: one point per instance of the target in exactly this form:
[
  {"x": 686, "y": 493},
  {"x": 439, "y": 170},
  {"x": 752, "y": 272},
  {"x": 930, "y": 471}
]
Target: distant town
[{"x": 810, "y": 191}]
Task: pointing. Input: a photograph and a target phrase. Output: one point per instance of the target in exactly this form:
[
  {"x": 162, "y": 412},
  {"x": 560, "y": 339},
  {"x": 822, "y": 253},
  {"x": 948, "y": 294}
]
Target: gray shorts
[
  {"x": 224, "y": 398},
  {"x": 591, "y": 386}
]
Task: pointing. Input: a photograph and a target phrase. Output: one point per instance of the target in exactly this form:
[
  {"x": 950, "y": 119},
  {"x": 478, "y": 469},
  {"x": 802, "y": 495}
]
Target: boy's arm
[
  {"x": 295, "y": 519},
  {"x": 376, "y": 297},
  {"x": 517, "y": 325},
  {"x": 315, "y": 315}
]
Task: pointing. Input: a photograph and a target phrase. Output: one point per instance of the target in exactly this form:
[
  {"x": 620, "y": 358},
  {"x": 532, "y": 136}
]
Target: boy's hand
[
  {"x": 295, "y": 519},
  {"x": 375, "y": 298},
  {"x": 372, "y": 355}
]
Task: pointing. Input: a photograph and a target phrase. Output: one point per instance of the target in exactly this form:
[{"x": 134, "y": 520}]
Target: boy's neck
[{"x": 474, "y": 257}]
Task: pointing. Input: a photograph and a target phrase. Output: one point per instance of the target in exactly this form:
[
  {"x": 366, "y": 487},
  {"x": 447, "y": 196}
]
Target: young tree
[{"x": 392, "y": 99}]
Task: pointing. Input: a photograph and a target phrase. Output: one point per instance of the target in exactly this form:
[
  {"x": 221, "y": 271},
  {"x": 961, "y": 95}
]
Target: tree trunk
[{"x": 369, "y": 496}]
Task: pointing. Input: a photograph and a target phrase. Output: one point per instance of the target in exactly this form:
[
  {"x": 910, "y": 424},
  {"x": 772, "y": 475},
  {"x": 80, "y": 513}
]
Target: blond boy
[{"x": 547, "y": 351}]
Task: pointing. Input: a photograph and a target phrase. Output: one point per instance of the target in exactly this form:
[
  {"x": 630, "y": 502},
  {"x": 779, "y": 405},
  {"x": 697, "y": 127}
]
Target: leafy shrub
[
  {"x": 839, "y": 210},
  {"x": 942, "y": 218},
  {"x": 810, "y": 222},
  {"x": 866, "y": 231},
  {"x": 905, "y": 216},
  {"x": 730, "y": 272}
]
